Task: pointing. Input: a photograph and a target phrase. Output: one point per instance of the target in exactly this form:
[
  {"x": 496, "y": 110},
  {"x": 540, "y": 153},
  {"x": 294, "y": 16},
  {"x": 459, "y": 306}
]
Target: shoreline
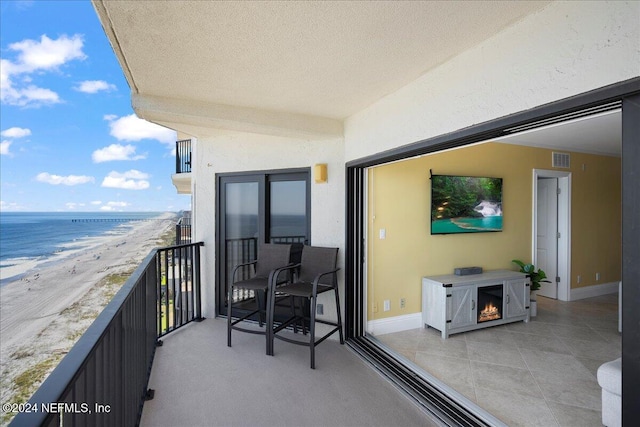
[
  {"x": 46, "y": 308},
  {"x": 13, "y": 269}
]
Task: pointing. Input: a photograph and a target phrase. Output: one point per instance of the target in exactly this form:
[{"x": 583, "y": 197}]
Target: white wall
[
  {"x": 235, "y": 152},
  {"x": 566, "y": 49}
]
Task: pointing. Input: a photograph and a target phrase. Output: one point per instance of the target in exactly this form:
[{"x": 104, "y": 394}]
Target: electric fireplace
[
  {"x": 489, "y": 303},
  {"x": 454, "y": 304}
]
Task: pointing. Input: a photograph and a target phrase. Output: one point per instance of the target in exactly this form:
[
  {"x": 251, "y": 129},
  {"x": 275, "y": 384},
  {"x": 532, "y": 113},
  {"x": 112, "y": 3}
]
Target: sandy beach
[{"x": 47, "y": 308}]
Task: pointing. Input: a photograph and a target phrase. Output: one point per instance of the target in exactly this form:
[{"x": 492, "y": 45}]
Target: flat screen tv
[{"x": 465, "y": 204}]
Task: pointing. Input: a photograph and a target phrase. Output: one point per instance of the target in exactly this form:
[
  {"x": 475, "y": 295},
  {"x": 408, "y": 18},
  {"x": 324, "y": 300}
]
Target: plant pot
[{"x": 533, "y": 308}]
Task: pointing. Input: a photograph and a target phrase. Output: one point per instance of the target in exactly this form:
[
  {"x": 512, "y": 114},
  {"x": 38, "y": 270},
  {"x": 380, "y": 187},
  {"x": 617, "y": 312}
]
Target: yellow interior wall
[{"x": 400, "y": 198}]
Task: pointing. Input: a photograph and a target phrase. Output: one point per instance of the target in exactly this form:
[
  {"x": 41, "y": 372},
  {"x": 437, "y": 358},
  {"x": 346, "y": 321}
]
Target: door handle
[
  {"x": 507, "y": 298},
  {"x": 473, "y": 305}
]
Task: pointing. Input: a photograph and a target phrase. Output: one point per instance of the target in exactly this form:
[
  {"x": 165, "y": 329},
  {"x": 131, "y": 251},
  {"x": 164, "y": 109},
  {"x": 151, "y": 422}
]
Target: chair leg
[
  {"x": 303, "y": 315},
  {"x": 229, "y": 311},
  {"x": 292, "y": 307},
  {"x": 339, "y": 315},
  {"x": 300, "y": 317},
  {"x": 270, "y": 307},
  {"x": 312, "y": 332},
  {"x": 258, "y": 299}
]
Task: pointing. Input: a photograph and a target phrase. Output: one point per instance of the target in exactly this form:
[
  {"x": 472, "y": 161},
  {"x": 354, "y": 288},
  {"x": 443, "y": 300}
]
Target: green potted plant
[{"x": 536, "y": 277}]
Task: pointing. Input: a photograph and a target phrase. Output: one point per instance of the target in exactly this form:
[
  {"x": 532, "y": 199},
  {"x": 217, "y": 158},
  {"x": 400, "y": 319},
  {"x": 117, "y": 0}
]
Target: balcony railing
[
  {"x": 183, "y": 229},
  {"x": 183, "y": 156},
  {"x": 179, "y": 300},
  {"x": 103, "y": 379}
]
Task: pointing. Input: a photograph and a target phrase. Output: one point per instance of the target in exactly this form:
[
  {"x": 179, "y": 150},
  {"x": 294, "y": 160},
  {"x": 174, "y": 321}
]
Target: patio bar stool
[
  {"x": 270, "y": 258},
  {"x": 316, "y": 274}
]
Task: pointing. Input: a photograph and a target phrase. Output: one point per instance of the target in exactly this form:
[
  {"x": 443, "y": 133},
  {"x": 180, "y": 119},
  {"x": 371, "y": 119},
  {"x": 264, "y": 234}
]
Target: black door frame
[
  {"x": 263, "y": 178},
  {"x": 625, "y": 95}
]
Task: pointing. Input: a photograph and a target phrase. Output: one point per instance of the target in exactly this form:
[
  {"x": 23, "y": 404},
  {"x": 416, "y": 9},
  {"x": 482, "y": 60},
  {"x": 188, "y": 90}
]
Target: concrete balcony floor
[{"x": 199, "y": 381}]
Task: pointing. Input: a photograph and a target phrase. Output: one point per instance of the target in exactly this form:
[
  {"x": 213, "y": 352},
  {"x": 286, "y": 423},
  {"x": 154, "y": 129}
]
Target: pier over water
[{"x": 118, "y": 219}]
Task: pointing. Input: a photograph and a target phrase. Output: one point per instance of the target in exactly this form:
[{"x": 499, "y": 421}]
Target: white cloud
[
  {"x": 36, "y": 95},
  {"x": 47, "y": 54},
  {"x": 135, "y": 174},
  {"x": 132, "y": 128},
  {"x": 130, "y": 180},
  {"x": 36, "y": 56},
  {"x": 65, "y": 180},
  {"x": 10, "y": 206},
  {"x": 73, "y": 205},
  {"x": 116, "y": 152},
  {"x": 96, "y": 202},
  {"x": 112, "y": 206},
  {"x": 15, "y": 132},
  {"x": 24, "y": 4},
  {"x": 4, "y": 148},
  {"x": 94, "y": 86}
]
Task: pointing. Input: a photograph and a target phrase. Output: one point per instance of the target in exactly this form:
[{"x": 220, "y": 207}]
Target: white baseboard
[
  {"x": 395, "y": 324},
  {"x": 414, "y": 320},
  {"x": 593, "y": 291}
]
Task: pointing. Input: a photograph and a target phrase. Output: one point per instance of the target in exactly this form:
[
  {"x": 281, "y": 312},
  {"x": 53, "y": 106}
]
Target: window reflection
[
  {"x": 241, "y": 213},
  {"x": 288, "y": 221}
]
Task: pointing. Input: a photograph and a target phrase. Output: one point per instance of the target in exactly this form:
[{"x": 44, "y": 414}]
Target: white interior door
[{"x": 547, "y": 234}]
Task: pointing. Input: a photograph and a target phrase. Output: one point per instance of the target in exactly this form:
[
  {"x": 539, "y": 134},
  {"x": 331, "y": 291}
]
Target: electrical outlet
[
  {"x": 320, "y": 309},
  {"x": 403, "y": 302},
  {"x": 597, "y": 276},
  {"x": 579, "y": 279},
  {"x": 387, "y": 305}
]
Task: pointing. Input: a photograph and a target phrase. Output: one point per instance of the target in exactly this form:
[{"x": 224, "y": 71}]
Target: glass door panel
[
  {"x": 241, "y": 230},
  {"x": 288, "y": 212},
  {"x": 253, "y": 209}
]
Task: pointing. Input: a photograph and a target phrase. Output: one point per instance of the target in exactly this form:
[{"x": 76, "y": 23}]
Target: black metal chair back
[
  {"x": 270, "y": 258},
  {"x": 316, "y": 273}
]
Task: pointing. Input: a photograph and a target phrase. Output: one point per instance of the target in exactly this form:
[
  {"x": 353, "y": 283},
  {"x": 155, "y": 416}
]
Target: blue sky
[{"x": 69, "y": 139}]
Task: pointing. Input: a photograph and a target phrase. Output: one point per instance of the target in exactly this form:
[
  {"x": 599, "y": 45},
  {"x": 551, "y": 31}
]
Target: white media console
[{"x": 454, "y": 304}]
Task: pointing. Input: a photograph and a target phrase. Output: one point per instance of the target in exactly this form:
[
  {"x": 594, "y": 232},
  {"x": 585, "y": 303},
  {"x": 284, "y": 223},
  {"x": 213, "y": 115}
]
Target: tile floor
[{"x": 541, "y": 373}]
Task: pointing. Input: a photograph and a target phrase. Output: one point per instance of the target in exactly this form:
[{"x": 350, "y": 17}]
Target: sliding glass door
[{"x": 256, "y": 208}]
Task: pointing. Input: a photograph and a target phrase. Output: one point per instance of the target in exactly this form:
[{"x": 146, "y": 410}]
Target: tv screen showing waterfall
[{"x": 465, "y": 204}]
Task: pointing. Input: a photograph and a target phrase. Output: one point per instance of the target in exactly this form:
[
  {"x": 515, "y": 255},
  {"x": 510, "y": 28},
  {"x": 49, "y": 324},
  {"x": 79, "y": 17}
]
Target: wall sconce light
[{"x": 320, "y": 173}]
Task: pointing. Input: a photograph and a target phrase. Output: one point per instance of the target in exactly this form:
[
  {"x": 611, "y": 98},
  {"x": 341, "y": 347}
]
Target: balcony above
[
  {"x": 182, "y": 178},
  {"x": 182, "y": 182}
]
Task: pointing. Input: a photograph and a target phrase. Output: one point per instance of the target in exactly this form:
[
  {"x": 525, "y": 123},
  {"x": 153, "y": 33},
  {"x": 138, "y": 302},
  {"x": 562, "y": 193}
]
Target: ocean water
[{"x": 40, "y": 235}]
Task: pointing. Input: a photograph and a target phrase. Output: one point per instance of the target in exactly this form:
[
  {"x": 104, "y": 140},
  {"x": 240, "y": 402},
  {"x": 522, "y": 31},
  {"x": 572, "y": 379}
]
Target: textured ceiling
[
  {"x": 595, "y": 134},
  {"x": 326, "y": 59}
]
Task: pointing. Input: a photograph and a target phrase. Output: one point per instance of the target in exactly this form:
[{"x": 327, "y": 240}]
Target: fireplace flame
[{"x": 490, "y": 312}]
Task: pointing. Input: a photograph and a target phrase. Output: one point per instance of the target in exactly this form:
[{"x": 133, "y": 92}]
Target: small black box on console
[{"x": 465, "y": 271}]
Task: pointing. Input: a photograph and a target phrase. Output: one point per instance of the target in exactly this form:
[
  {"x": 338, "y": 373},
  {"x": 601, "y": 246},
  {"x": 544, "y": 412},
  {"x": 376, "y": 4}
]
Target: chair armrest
[
  {"x": 273, "y": 276},
  {"x": 317, "y": 278},
  {"x": 233, "y": 274}
]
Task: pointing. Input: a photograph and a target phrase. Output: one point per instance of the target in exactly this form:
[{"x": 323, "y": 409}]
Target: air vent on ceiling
[{"x": 561, "y": 160}]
